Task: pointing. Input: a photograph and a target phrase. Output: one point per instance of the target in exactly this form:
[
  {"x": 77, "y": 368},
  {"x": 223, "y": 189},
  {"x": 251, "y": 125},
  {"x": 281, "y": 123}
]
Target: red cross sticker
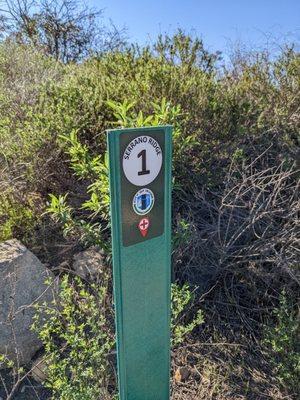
[{"x": 143, "y": 226}]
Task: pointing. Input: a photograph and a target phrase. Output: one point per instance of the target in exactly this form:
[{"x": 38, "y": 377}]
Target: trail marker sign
[{"x": 140, "y": 192}]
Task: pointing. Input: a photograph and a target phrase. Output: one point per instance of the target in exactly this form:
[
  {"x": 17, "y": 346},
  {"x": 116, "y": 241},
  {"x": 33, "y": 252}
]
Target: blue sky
[{"x": 218, "y": 22}]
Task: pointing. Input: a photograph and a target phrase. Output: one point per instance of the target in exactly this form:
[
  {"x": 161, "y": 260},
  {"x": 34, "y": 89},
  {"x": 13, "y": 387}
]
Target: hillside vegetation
[{"x": 235, "y": 206}]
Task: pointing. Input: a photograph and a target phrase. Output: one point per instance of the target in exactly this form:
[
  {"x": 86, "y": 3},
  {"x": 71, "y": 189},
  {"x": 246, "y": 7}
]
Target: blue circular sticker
[{"x": 143, "y": 201}]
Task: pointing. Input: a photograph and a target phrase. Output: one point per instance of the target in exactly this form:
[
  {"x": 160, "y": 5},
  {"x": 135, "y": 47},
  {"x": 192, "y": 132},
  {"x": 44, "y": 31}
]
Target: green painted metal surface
[{"x": 141, "y": 258}]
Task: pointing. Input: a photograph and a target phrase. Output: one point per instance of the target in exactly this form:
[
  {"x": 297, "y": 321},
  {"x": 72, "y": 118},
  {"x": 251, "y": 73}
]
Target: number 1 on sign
[{"x": 144, "y": 170}]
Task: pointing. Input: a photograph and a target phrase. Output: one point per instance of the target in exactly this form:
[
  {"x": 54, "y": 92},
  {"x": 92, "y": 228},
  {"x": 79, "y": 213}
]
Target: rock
[
  {"x": 182, "y": 374},
  {"x": 39, "y": 370},
  {"x": 89, "y": 264},
  {"x": 22, "y": 278}
]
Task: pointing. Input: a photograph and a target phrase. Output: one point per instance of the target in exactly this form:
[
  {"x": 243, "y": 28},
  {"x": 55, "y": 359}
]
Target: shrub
[
  {"x": 77, "y": 339},
  {"x": 283, "y": 339},
  {"x": 17, "y": 218},
  {"x": 181, "y": 322}
]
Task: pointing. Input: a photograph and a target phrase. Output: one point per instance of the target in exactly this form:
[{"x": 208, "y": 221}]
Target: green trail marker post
[{"x": 140, "y": 192}]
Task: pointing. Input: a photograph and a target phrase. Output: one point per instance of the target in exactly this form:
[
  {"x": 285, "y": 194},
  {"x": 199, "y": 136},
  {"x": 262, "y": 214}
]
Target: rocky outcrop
[
  {"x": 89, "y": 264},
  {"x": 39, "y": 370},
  {"x": 22, "y": 278}
]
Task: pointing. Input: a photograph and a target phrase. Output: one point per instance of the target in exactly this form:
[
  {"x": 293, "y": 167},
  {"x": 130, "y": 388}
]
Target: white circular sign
[
  {"x": 142, "y": 160},
  {"x": 143, "y": 201}
]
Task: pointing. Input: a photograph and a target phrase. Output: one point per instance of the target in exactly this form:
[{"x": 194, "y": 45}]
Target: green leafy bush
[
  {"x": 182, "y": 298},
  {"x": 77, "y": 339},
  {"x": 88, "y": 228},
  {"x": 16, "y": 218},
  {"x": 283, "y": 339}
]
